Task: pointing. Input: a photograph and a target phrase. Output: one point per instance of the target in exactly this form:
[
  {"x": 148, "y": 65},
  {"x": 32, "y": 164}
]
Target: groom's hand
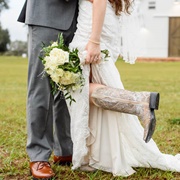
[{"x": 91, "y": 1}]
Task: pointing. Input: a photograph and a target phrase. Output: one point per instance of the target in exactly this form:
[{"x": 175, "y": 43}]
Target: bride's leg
[
  {"x": 141, "y": 104},
  {"x": 92, "y": 88}
]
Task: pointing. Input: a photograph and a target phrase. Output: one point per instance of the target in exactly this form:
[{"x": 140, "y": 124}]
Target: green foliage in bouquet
[{"x": 62, "y": 65}]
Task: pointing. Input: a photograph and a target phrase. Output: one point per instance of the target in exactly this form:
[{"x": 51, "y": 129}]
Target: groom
[{"x": 48, "y": 120}]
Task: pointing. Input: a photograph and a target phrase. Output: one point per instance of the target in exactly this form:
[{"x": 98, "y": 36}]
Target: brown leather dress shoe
[
  {"x": 63, "y": 160},
  {"x": 41, "y": 170}
]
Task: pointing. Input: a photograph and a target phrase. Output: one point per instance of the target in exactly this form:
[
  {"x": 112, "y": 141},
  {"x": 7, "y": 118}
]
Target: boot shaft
[{"x": 141, "y": 104}]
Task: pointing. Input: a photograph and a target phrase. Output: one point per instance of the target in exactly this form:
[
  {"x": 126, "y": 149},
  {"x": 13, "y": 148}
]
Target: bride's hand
[
  {"x": 91, "y": 1},
  {"x": 93, "y": 53}
]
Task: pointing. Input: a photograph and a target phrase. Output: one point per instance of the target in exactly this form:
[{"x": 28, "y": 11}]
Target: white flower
[
  {"x": 69, "y": 78},
  {"x": 50, "y": 64},
  {"x": 54, "y": 44},
  {"x": 49, "y": 71},
  {"x": 59, "y": 56},
  {"x": 47, "y": 59},
  {"x": 55, "y": 78},
  {"x": 59, "y": 72}
]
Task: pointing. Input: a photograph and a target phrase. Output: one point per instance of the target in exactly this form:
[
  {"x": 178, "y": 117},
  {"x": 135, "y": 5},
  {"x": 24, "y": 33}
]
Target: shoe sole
[
  {"x": 152, "y": 126},
  {"x": 154, "y": 104},
  {"x": 34, "y": 178}
]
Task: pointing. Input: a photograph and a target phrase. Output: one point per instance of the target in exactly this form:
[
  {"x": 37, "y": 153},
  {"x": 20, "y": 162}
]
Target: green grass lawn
[{"x": 161, "y": 77}]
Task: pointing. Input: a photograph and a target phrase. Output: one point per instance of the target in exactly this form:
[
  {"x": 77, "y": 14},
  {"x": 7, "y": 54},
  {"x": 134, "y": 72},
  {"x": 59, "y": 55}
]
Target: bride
[{"x": 105, "y": 126}]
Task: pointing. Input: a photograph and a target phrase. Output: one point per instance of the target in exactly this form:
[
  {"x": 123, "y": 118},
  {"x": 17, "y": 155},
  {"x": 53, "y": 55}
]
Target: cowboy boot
[{"x": 141, "y": 104}]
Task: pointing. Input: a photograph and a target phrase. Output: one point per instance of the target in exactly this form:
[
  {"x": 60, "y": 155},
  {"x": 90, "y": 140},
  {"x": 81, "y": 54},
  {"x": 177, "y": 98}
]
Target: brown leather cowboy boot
[{"x": 141, "y": 104}]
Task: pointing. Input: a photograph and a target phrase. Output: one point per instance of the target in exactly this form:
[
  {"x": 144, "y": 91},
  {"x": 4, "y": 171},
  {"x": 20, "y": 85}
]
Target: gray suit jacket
[{"x": 56, "y": 14}]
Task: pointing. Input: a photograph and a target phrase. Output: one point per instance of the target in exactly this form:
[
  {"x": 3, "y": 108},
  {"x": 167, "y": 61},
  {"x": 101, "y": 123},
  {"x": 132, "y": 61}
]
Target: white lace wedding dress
[{"x": 108, "y": 140}]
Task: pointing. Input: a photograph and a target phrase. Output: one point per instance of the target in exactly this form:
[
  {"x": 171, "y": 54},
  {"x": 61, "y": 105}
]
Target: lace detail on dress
[{"x": 79, "y": 112}]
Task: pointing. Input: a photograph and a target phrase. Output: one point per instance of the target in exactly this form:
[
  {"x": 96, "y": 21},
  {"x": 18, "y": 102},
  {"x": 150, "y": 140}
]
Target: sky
[{"x": 8, "y": 19}]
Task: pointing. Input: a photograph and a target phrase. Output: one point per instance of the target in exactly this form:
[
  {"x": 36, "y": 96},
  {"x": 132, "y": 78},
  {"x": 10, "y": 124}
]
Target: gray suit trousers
[{"x": 48, "y": 117}]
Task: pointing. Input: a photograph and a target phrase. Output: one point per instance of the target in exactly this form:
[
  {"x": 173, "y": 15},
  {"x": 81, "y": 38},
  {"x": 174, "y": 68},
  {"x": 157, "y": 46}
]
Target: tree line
[{"x": 6, "y": 46}]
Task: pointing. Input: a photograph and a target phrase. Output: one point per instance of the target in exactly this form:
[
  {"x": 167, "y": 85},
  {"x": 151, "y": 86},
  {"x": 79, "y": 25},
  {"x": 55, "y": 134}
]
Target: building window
[{"x": 152, "y": 5}]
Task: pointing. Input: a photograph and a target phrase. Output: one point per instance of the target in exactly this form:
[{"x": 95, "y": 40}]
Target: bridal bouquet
[{"x": 63, "y": 67}]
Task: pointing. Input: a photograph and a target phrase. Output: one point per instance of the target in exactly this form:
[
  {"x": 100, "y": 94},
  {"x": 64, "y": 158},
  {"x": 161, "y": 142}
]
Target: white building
[{"x": 160, "y": 27}]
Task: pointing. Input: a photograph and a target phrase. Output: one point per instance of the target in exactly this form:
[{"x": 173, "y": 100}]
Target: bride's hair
[{"x": 118, "y": 6}]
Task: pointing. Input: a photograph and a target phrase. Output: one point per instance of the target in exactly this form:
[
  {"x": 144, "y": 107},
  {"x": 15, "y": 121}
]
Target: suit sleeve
[{"x": 22, "y": 15}]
